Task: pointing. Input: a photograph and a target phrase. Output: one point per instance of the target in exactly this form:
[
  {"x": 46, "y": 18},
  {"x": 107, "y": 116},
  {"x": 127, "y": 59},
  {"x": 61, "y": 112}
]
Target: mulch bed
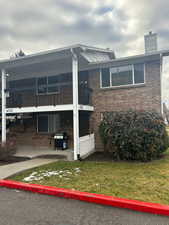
[
  {"x": 13, "y": 159},
  {"x": 107, "y": 157},
  {"x": 100, "y": 157}
]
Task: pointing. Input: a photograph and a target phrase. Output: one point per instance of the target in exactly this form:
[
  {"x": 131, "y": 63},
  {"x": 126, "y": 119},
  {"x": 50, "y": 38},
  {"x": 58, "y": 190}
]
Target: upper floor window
[
  {"x": 47, "y": 85},
  {"x": 105, "y": 73},
  {"x": 24, "y": 85},
  {"x": 42, "y": 85},
  {"x": 123, "y": 75},
  {"x": 53, "y": 84},
  {"x": 139, "y": 73}
]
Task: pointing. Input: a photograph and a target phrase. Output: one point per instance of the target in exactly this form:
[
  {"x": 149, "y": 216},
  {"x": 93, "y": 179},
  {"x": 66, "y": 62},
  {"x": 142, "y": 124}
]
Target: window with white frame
[
  {"x": 48, "y": 123},
  {"x": 123, "y": 75},
  {"x": 47, "y": 85},
  {"x": 139, "y": 74},
  {"x": 53, "y": 84}
]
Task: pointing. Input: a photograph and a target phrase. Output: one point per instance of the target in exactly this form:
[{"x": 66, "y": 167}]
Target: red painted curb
[{"x": 89, "y": 197}]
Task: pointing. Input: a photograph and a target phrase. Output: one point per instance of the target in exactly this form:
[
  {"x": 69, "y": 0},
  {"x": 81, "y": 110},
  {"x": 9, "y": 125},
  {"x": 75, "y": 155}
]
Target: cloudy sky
[{"x": 37, "y": 25}]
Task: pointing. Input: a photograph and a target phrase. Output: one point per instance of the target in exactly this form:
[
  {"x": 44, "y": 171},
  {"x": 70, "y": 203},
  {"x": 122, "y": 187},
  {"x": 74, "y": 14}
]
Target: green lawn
[
  {"x": 167, "y": 129},
  {"x": 133, "y": 180}
]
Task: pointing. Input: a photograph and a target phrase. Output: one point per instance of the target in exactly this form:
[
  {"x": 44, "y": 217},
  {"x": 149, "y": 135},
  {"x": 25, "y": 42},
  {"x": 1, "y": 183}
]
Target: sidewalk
[
  {"x": 34, "y": 152},
  {"x": 11, "y": 169}
]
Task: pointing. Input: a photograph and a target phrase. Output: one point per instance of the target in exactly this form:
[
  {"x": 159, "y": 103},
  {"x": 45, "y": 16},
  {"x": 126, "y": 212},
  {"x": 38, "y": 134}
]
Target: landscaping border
[{"x": 89, "y": 197}]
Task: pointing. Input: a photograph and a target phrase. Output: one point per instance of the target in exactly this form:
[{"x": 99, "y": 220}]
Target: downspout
[
  {"x": 161, "y": 70},
  {"x": 3, "y": 98},
  {"x": 75, "y": 106}
]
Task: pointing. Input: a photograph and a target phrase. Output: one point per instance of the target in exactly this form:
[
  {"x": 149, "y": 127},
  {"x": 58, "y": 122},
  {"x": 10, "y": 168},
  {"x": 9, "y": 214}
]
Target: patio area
[{"x": 43, "y": 152}]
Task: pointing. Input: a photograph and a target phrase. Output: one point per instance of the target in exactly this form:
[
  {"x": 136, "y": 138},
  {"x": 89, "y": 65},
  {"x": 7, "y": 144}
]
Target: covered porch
[
  {"x": 57, "y": 82},
  {"x": 34, "y": 132}
]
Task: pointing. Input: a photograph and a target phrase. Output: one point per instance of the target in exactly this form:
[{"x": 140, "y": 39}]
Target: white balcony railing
[{"x": 87, "y": 145}]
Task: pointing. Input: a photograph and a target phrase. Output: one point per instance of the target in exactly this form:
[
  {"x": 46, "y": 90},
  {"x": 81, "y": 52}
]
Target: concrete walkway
[
  {"x": 34, "y": 152},
  {"x": 13, "y": 168}
]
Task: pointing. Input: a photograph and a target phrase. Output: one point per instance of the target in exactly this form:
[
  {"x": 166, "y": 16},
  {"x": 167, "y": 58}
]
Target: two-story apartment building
[{"x": 69, "y": 89}]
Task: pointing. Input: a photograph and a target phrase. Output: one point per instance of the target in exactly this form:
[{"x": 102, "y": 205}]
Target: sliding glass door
[{"x": 48, "y": 123}]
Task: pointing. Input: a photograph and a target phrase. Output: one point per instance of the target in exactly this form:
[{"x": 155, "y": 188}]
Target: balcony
[
  {"x": 65, "y": 96},
  {"x": 85, "y": 96},
  {"x": 47, "y": 91}
]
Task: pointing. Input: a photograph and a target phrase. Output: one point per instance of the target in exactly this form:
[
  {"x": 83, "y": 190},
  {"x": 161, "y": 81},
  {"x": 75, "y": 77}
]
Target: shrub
[
  {"x": 7, "y": 150},
  {"x": 134, "y": 135}
]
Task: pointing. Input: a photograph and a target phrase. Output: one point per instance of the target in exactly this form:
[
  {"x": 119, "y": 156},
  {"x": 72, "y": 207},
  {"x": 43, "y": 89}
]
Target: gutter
[{"x": 161, "y": 92}]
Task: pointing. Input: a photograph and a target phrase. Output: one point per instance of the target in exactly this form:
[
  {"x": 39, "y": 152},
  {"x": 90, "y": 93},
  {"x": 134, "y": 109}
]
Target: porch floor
[{"x": 35, "y": 152}]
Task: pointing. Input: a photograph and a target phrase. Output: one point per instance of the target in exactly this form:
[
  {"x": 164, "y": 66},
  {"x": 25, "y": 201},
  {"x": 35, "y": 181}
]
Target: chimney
[{"x": 150, "y": 41}]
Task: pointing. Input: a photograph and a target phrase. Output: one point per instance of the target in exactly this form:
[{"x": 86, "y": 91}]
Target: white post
[
  {"x": 3, "y": 98},
  {"x": 75, "y": 105}
]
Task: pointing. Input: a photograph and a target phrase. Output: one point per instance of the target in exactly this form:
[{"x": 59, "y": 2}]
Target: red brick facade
[{"x": 140, "y": 97}]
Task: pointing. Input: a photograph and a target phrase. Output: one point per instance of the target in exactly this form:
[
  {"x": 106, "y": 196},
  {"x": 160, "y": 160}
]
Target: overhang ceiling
[{"x": 58, "y": 61}]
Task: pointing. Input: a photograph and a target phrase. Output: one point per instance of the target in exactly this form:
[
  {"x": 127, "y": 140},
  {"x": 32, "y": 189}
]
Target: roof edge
[
  {"x": 41, "y": 53},
  {"x": 160, "y": 53}
]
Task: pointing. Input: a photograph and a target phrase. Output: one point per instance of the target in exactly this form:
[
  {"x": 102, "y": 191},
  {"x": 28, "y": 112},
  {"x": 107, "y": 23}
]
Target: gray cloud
[
  {"x": 45, "y": 24},
  {"x": 116, "y": 24},
  {"x": 103, "y": 10},
  {"x": 72, "y": 6}
]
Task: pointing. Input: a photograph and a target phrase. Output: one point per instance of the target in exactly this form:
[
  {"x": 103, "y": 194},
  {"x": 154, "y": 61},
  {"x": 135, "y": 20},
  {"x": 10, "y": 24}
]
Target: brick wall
[
  {"x": 28, "y": 136},
  {"x": 26, "y": 133},
  {"x": 143, "y": 97}
]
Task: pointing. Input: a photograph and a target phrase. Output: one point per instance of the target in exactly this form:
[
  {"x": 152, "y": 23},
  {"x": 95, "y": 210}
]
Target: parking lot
[{"x": 25, "y": 208}]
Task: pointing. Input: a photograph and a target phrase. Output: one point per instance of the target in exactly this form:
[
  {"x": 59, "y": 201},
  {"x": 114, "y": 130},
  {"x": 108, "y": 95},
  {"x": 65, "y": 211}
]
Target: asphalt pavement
[{"x": 26, "y": 208}]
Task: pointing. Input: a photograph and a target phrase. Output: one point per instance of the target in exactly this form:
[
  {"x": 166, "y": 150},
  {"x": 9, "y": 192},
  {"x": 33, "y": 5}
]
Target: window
[
  {"x": 47, "y": 85},
  {"x": 43, "y": 123},
  {"x": 48, "y": 123},
  {"x": 123, "y": 75},
  {"x": 139, "y": 73},
  {"x": 42, "y": 85},
  {"x": 106, "y": 77},
  {"x": 24, "y": 85},
  {"x": 53, "y": 84}
]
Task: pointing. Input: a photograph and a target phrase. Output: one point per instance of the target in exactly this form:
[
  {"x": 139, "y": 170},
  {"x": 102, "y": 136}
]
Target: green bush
[
  {"x": 134, "y": 135},
  {"x": 7, "y": 150}
]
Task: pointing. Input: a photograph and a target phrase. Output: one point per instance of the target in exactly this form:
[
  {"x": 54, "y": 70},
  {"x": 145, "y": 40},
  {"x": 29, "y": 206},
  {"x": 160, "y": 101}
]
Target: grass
[
  {"x": 133, "y": 180},
  {"x": 167, "y": 128}
]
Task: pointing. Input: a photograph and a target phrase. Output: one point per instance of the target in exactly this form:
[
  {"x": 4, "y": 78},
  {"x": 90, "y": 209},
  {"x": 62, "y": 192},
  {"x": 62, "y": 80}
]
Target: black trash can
[{"x": 61, "y": 141}]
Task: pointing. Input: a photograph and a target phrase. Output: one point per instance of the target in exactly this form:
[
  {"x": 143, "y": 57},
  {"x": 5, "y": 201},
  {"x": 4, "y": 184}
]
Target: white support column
[
  {"x": 3, "y": 98},
  {"x": 75, "y": 105}
]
